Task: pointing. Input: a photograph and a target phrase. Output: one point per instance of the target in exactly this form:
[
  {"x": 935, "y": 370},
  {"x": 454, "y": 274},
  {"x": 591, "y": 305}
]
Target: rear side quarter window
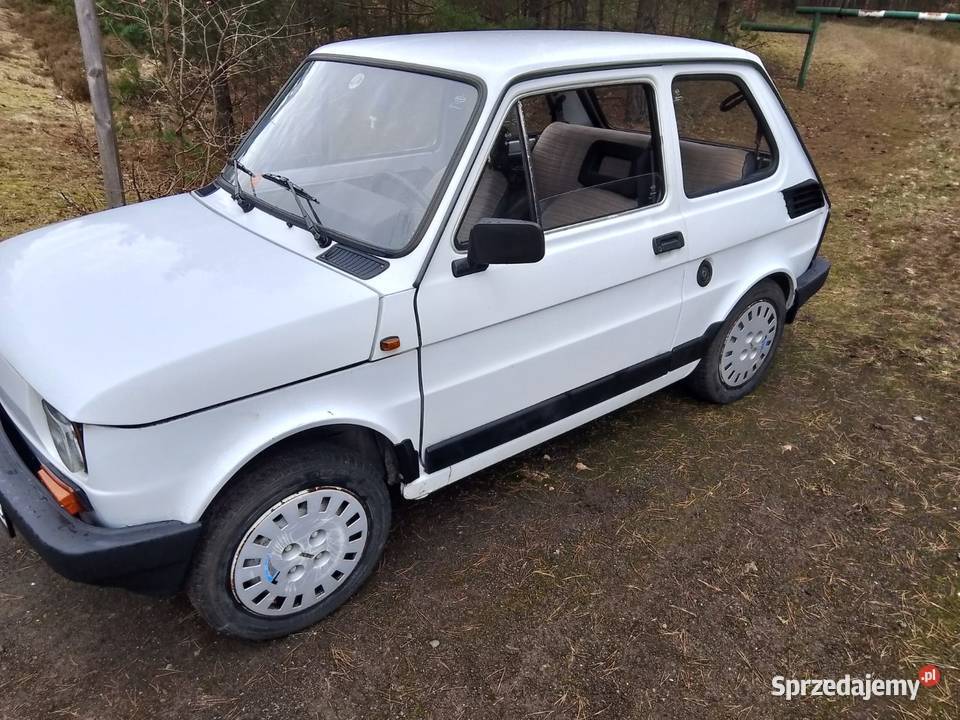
[{"x": 725, "y": 141}]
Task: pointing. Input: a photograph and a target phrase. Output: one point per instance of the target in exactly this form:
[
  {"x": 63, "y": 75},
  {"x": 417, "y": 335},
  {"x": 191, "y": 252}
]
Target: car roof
[{"x": 499, "y": 56}]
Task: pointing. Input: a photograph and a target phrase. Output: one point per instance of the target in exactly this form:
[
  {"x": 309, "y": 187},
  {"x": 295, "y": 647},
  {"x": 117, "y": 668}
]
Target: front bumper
[
  {"x": 809, "y": 283},
  {"x": 151, "y": 559}
]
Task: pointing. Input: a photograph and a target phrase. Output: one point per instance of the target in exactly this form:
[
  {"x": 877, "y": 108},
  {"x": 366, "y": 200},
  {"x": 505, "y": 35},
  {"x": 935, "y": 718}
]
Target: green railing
[
  {"x": 817, "y": 12},
  {"x": 810, "y": 32},
  {"x": 882, "y": 14}
]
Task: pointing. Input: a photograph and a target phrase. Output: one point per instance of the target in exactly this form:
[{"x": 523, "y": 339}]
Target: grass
[
  {"x": 889, "y": 313},
  {"x": 53, "y": 34},
  {"x": 50, "y": 172}
]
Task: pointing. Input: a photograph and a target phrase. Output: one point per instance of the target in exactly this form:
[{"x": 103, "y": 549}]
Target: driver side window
[
  {"x": 503, "y": 190},
  {"x": 592, "y": 152}
]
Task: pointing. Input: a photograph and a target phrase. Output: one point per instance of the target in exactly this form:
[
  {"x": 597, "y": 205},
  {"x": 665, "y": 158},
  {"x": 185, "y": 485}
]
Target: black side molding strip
[{"x": 486, "y": 437}]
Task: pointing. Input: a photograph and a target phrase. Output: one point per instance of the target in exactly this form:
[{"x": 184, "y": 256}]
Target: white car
[{"x": 431, "y": 253}]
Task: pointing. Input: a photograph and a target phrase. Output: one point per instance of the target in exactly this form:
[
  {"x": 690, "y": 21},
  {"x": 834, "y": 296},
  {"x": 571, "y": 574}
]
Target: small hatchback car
[{"x": 431, "y": 253}]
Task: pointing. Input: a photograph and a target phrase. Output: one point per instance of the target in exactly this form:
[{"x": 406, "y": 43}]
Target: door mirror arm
[{"x": 463, "y": 266}]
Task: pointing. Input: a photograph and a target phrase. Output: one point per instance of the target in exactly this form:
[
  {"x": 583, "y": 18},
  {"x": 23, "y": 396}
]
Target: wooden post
[{"x": 100, "y": 99}]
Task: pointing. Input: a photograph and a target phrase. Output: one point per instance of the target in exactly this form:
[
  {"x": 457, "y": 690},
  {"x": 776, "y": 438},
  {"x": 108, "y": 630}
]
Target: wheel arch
[
  {"x": 784, "y": 280},
  {"x": 781, "y": 276},
  {"x": 398, "y": 457}
]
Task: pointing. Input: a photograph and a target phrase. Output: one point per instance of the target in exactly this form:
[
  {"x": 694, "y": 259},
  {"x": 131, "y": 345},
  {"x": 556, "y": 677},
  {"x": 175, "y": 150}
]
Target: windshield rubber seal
[{"x": 452, "y": 165}]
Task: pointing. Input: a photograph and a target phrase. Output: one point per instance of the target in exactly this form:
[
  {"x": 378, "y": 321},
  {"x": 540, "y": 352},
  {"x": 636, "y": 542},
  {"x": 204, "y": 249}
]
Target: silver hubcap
[
  {"x": 748, "y": 344},
  {"x": 299, "y": 551}
]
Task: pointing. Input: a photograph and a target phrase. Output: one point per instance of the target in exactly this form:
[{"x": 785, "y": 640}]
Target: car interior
[{"x": 584, "y": 168}]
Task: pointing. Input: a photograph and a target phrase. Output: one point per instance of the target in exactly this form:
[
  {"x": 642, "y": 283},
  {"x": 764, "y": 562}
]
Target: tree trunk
[
  {"x": 535, "y": 12},
  {"x": 167, "y": 40},
  {"x": 223, "y": 105},
  {"x": 578, "y": 14},
  {"x": 642, "y": 20},
  {"x": 332, "y": 29},
  {"x": 721, "y": 21}
]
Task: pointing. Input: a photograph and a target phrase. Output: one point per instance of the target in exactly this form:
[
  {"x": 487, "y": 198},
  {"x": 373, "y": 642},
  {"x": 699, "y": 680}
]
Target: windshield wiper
[
  {"x": 240, "y": 195},
  {"x": 304, "y": 200}
]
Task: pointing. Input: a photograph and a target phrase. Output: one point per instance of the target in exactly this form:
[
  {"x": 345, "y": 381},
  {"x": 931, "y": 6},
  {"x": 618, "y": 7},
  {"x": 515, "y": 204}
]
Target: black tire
[
  {"x": 261, "y": 486},
  {"x": 705, "y": 381}
]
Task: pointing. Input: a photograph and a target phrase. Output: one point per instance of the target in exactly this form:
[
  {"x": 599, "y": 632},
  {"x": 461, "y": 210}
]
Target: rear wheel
[
  {"x": 290, "y": 542},
  {"x": 740, "y": 355}
]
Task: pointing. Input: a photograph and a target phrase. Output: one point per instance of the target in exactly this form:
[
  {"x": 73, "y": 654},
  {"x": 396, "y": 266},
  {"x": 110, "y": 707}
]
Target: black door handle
[{"x": 668, "y": 242}]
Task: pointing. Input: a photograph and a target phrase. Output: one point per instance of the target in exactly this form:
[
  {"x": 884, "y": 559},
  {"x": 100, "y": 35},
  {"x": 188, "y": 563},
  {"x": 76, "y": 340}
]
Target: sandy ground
[{"x": 666, "y": 561}]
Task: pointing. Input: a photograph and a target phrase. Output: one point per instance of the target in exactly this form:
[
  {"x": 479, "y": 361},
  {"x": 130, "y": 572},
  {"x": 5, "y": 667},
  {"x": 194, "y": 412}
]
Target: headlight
[{"x": 67, "y": 438}]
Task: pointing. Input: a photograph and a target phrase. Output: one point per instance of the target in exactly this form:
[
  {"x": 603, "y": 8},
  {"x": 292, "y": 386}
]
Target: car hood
[{"x": 146, "y": 312}]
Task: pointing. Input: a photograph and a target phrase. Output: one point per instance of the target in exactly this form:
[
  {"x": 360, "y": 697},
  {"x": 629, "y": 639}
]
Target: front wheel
[
  {"x": 739, "y": 357},
  {"x": 290, "y": 542}
]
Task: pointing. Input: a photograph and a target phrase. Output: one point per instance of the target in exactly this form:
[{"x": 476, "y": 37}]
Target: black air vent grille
[
  {"x": 353, "y": 262},
  {"x": 803, "y": 198}
]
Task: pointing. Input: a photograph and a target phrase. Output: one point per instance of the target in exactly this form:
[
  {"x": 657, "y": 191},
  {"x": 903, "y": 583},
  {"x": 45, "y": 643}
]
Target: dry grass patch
[
  {"x": 888, "y": 319},
  {"x": 50, "y": 172},
  {"x": 55, "y": 39}
]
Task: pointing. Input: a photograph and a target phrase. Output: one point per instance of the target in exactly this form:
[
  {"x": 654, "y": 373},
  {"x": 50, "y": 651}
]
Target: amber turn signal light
[
  {"x": 390, "y": 343},
  {"x": 65, "y": 495}
]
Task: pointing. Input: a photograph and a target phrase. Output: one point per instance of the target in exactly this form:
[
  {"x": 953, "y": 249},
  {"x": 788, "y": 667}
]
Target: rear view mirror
[{"x": 501, "y": 242}]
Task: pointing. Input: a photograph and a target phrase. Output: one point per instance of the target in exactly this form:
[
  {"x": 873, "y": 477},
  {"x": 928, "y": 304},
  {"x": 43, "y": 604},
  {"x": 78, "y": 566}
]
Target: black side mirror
[{"x": 496, "y": 241}]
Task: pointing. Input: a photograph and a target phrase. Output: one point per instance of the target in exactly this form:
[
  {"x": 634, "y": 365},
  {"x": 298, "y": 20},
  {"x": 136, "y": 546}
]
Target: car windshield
[{"x": 370, "y": 144}]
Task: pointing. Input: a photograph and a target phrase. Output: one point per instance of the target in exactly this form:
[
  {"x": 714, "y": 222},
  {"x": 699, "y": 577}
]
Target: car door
[
  {"x": 510, "y": 352},
  {"x": 740, "y": 160}
]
